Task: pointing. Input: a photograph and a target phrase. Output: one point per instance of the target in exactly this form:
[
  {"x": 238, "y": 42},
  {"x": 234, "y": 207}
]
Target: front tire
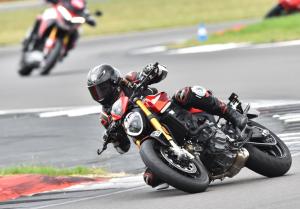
[
  {"x": 52, "y": 58},
  {"x": 268, "y": 161},
  {"x": 155, "y": 162}
]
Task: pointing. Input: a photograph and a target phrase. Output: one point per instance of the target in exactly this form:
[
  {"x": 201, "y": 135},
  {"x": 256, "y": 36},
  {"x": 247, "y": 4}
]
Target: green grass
[
  {"x": 52, "y": 171},
  {"x": 272, "y": 30},
  {"x": 135, "y": 15}
]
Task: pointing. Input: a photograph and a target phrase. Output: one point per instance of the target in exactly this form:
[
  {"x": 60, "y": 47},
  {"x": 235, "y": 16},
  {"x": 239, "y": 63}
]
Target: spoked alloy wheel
[
  {"x": 184, "y": 174},
  {"x": 184, "y": 166},
  {"x": 272, "y": 160}
]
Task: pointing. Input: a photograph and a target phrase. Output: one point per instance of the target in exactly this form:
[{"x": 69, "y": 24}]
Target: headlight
[{"x": 133, "y": 124}]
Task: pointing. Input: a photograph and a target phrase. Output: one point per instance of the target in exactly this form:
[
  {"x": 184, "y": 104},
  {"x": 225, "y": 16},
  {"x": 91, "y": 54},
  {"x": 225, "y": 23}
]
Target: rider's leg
[
  {"x": 32, "y": 33},
  {"x": 200, "y": 98}
]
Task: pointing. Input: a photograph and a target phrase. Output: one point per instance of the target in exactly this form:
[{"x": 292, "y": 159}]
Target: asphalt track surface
[{"x": 255, "y": 74}]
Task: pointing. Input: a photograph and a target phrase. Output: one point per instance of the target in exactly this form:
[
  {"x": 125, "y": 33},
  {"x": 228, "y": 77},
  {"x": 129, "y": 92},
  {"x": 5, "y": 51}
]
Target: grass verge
[
  {"x": 271, "y": 30},
  {"x": 52, "y": 171},
  {"x": 135, "y": 15}
]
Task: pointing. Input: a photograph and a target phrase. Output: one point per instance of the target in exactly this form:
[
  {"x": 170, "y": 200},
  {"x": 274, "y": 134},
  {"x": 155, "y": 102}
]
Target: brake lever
[
  {"x": 106, "y": 138},
  {"x": 104, "y": 147}
]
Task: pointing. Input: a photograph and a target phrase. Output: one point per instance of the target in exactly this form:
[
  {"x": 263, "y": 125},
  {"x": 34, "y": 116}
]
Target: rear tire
[
  {"x": 190, "y": 184},
  {"x": 266, "y": 162},
  {"x": 52, "y": 58}
]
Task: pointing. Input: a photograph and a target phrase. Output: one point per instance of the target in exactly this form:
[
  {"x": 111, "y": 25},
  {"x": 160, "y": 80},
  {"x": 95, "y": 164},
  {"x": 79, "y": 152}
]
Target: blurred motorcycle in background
[
  {"x": 284, "y": 7},
  {"x": 54, "y": 33}
]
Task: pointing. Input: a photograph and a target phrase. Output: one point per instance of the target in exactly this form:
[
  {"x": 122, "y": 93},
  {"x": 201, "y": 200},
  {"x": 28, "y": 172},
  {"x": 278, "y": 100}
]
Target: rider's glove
[
  {"x": 91, "y": 21},
  {"x": 151, "y": 68},
  {"x": 157, "y": 72}
]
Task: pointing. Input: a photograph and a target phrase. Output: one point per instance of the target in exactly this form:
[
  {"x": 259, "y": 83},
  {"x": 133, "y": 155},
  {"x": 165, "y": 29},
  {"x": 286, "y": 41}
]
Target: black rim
[{"x": 184, "y": 166}]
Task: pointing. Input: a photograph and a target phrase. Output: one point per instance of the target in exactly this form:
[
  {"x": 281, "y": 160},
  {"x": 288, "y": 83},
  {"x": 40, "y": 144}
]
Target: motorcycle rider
[
  {"x": 77, "y": 7},
  {"x": 106, "y": 85}
]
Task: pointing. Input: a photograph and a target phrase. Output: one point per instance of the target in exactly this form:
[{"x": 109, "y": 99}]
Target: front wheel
[
  {"x": 187, "y": 175},
  {"x": 272, "y": 160},
  {"x": 52, "y": 57}
]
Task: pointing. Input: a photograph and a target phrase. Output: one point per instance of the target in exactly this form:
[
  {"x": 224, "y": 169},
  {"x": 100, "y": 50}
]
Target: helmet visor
[{"x": 101, "y": 91}]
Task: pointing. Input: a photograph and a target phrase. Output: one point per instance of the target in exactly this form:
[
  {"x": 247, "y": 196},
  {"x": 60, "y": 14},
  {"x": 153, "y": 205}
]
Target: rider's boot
[{"x": 236, "y": 118}]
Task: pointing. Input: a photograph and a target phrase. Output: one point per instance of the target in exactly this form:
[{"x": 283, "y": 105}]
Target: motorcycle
[
  {"x": 49, "y": 39},
  {"x": 284, "y": 7},
  {"x": 188, "y": 149}
]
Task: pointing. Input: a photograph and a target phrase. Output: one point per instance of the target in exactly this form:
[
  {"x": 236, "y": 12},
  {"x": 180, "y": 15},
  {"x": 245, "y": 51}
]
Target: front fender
[{"x": 157, "y": 135}]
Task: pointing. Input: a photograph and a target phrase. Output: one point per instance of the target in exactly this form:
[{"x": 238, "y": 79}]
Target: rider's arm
[{"x": 118, "y": 137}]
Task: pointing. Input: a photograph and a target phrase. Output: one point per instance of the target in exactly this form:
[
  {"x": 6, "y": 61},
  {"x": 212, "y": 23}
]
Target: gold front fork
[
  {"x": 53, "y": 33},
  {"x": 155, "y": 123},
  {"x": 66, "y": 40}
]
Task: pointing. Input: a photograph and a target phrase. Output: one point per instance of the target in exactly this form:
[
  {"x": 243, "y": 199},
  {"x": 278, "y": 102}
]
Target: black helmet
[{"x": 103, "y": 84}]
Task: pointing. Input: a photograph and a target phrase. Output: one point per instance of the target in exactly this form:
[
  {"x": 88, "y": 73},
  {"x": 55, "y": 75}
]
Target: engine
[
  {"x": 217, "y": 156},
  {"x": 210, "y": 144}
]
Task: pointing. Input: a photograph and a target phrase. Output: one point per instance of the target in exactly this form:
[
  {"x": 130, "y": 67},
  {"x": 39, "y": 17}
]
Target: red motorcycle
[
  {"x": 188, "y": 148},
  {"x": 284, "y": 7},
  {"x": 53, "y": 35}
]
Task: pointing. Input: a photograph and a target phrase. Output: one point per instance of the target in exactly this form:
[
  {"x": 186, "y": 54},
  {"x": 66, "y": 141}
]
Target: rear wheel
[
  {"x": 184, "y": 174},
  {"x": 271, "y": 161},
  {"x": 52, "y": 58}
]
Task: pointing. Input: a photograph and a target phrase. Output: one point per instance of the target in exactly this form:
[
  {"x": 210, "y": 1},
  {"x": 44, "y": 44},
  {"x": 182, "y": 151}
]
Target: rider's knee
[{"x": 185, "y": 95}]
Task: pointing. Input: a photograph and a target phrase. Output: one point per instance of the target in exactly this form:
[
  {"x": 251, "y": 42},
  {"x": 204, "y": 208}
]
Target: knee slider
[{"x": 200, "y": 92}]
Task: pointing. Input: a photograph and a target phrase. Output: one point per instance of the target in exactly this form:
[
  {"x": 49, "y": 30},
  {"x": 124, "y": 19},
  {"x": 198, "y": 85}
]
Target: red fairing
[
  {"x": 157, "y": 102},
  {"x": 290, "y": 4},
  {"x": 194, "y": 110},
  {"x": 119, "y": 108}
]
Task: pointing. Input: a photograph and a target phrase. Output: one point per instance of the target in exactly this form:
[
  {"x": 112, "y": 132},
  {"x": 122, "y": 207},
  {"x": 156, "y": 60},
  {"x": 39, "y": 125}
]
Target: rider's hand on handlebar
[
  {"x": 91, "y": 21},
  {"x": 152, "y": 71},
  {"x": 151, "y": 68}
]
